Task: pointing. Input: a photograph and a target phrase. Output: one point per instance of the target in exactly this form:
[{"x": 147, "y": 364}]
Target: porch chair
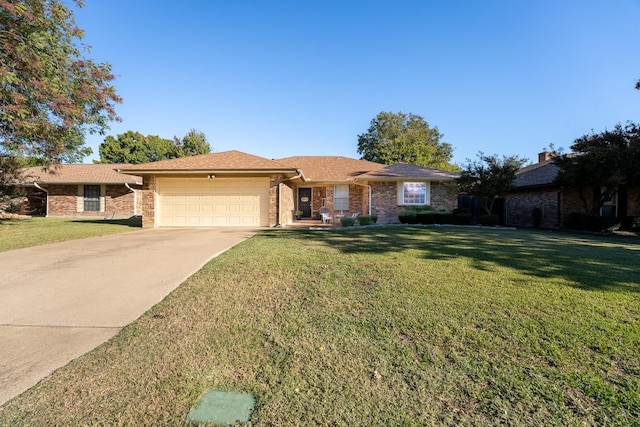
[{"x": 326, "y": 216}]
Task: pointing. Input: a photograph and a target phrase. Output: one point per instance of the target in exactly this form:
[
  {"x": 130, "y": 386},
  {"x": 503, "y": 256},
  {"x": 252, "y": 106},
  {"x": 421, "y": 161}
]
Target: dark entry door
[{"x": 304, "y": 202}]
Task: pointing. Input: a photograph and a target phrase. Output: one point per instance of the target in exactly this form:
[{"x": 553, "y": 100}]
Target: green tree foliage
[
  {"x": 606, "y": 162},
  {"x": 400, "y": 137},
  {"x": 51, "y": 94},
  {"x": 489, "y": 177},
  {"x": 10, "y": 172},
  {"x": 192, "y": 144},
  {"x": 134, "y": 148}
]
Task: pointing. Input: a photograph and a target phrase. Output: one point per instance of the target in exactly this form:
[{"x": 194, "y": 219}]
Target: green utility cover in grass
[{"x": 222, "y": 407}]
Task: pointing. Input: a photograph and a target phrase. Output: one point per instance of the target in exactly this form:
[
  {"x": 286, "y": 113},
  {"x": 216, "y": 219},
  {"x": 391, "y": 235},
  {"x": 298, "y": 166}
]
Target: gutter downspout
[
  {"x": 135, "y": 199},
  {"x": 46, "y": 209}
]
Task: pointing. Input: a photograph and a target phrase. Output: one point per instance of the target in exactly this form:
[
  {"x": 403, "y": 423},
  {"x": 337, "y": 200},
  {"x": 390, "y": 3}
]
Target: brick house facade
[
  {"x": 343, "y": 185},
  {"x": 238, "y": 189},
  {"x": 535, "y": 190},
  {"x": 81, "y": 191}
]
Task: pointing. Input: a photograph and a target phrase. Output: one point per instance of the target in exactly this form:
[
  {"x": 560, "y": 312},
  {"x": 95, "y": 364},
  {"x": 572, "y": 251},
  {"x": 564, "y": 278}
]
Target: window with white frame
[
  {"x": 341, "y": 198},
  {"x": 413, "y": 193},
  {"x": 91, "y": 198}
]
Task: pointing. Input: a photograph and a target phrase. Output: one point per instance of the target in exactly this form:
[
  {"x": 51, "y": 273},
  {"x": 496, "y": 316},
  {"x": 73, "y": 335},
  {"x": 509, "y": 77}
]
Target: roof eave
[
  {"x": 328, "y": 181},
  {"x": 205, "y": 171},
  {"x": 40, "y": 182},
  {"x": 535, "y": 186},
  {"x": 403, "y": 178}
]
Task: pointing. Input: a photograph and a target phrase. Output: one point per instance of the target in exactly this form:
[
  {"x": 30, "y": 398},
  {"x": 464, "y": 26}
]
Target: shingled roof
[
  {"x": 78, "y": 174},
  {"x": 330, "y": 168},
  {"x": 408, "y": 171},
  {"x": 536, "y": 175},
  {"x": 223, "y": 161}
]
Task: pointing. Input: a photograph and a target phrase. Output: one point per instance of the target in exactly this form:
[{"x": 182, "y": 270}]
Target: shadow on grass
[
  {"x": 588, "y": 262},
  {"x": 12, "y": 221},
  {"x": 133, "y": 221}
]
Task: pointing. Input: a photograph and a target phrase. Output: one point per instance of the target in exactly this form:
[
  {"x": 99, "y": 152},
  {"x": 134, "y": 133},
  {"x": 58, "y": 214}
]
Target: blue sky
[{"x": 281, "y": 78}]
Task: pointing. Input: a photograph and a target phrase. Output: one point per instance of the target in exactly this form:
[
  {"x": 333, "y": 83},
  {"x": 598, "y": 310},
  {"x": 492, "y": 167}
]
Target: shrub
[
  {"x": 347, "y": 221},
  {"x": 629, "y": 223},
  {"x": 374, "y": 218},
  {"x": 443, "y": 217},
  {"x": 424, "y": 217},
  {"x": 461, "y": 211},
  {"x": 580, "y": 221},
  {"x": 365, "y": 220},
  {"x": 488, "y": 220},
  {"x": 462, "y": 218},
  {"x": 407, "y": 216},
  {"x": 419, "y": 208}
]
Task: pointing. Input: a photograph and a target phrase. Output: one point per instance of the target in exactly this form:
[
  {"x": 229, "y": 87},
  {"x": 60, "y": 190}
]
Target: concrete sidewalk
[{"x": 61, "y": 300}]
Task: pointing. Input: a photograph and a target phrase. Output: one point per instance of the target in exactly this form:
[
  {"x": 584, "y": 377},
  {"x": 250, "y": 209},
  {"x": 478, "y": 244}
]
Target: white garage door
[{"x": 219, "y": 202}]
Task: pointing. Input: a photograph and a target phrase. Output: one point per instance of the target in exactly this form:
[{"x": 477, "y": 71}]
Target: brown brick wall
[
  {"x": 633, "y": 202},
  {"x": 444, "y": 195},
  {"x": 318, "y": 197},
  {"x": 119, "y": 201},
  {"x": 63, "y": 201},
  {"x": 572, "y": 202},
  {"x": 556, "y": 205},
  {"x": 281, "y": 201},
  {"x": 287, "y": 204},
  {"x": 384, "y": 201},
  {"x": 358, "y": 197},
  {"x": 148, "y": 201},
  {"x": 519, "y": 208}
]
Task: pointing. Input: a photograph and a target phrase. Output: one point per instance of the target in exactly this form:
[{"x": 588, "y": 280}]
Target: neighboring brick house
[
  {"x": 533, "y": 189},
  {"x": 92, "y": 190},
  {"x": 238, "y": 189},
  {"x": 536, "y": 195}
]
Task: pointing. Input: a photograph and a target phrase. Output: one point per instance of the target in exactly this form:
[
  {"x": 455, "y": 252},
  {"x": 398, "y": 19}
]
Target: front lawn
[
  {"x": 381, "y": 326},
  {"x": 26, "y": 232}
]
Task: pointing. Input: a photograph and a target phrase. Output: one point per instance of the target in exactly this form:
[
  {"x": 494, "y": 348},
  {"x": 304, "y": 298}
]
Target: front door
[{"x": 304, "y": 202}]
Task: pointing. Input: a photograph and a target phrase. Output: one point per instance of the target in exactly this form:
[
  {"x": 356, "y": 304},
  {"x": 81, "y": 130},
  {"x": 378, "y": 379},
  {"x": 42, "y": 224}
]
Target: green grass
[
  {"x": 27, "y": 232},
  {"x": 383, "y": 326}
]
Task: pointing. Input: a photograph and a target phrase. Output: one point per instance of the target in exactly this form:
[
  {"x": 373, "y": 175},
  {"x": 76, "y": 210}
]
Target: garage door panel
[{"x": 222, "y": 202}]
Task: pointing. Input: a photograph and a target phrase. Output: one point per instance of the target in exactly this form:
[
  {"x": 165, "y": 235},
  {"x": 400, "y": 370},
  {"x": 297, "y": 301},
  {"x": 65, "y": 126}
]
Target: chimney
[{"x": 544, "y": 156}]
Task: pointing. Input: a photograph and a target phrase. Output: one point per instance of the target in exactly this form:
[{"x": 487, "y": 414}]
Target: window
[
  {"x": 92, "y": 198},
  {"x": 414, "y": 193},
  {"x": 341, "y": 198},
  {"x": 609, "y": 206}
]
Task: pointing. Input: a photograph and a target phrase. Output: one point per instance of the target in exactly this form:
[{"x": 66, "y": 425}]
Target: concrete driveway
[{"x": 59, "y": 301}]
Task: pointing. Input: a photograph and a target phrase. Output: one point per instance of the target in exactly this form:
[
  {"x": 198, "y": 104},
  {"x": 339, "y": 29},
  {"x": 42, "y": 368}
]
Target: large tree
[
  {"x": 192, "y": 144},
  {"x": 400, "y": 137},
  {"x": 134, "y": 148},
  {"x": 489, "y": 177},
  {"x": 51, "y": 94},
  {"x": 601, "y": 165}
]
